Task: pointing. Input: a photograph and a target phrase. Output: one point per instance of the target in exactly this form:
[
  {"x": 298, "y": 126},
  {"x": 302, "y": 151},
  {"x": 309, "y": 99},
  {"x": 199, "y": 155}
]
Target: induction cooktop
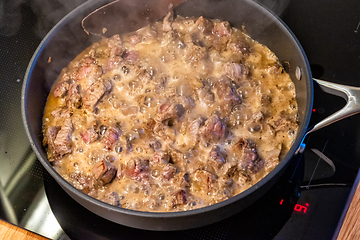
[{"x": 309, "y": 200}]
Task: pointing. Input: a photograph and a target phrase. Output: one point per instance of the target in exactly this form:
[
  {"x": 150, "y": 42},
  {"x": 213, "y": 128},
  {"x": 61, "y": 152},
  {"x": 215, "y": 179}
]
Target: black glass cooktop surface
[{"x": 306, "y": 203}]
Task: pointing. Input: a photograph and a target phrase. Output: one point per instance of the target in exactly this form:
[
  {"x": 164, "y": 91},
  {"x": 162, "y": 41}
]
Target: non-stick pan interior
[{"x": 67, "y": 39}]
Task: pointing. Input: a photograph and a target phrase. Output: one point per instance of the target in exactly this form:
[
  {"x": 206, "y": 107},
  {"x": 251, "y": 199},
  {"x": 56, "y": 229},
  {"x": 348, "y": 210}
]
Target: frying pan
[{"x": 67, "y": 39}]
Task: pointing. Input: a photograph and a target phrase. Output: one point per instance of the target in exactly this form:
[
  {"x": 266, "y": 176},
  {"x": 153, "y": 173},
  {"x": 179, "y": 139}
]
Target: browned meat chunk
[
  {"x": 250, "y": 160},
  {"x": 63, "y": 143},
  {"x": 147, "y": 33},
  {"x": 169, "y": 111},
  {"x": 205, "y": 95},
  {"x": 182, "y": 180},
  {"x": 154, "y": 144},
  {"x": 61, "y": 113},
  {"x": 73, "y": 96},
  {"x": 179, "y": 198},
  {"x": 83, "y": 182},
  {"x": 177, "y": 158},
  {"x": 239, "y": 48},
  {"x": 89, "y": 135},
  {"x": 285, "y": 124},
  {"x": 92, "y": 70},
  {"x": 205, "y": 25},
  {"x": 110, "y": 137},
  {"x": 130, "y": 56},
  {"x": 204, "y": 179},
  {"x": 223, "y": 29},
  {"x": 236, "y": 71},
  {"x": 115, "y": 45},
  {"x": 227, "y": 95},
  {"x": 229, "y": 169},
  {"x": 61, "y": 90},
  {"x": 161, "y": 158},
  {"x": 104, "y": 171},
  {"x": 113, "y": 199},
  {"x": 169, "y": 172},
  {"x": 49, "y": 139},
  {"x": 257, "y": 117},
  {"x": 95, "y": 92},
  {"x": 135, "y": 39},
  {"x": 216, "y": 157},
  {"x": 137, "y": 168},
  {"x": 214, "y": 129},
  {"x": 193, "y": 131},
  {"x": 195, "y": 53}
]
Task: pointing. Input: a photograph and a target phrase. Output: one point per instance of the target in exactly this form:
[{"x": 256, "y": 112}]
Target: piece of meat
[
  {"x": 205, "y": 25},
  {"x": 285, "y": 124},
  {"x": 177, "y": 158},
  {"x": 147, "y": 33},
  {"x": 154, "y": 144},
  {"x": 130, "y": 56},
  {"x": 111, "y": 136},
  {"x": 169, "y": 111},
  {"x": 95, "y": 92},
  {"x": 249, "y": 158},
  {"x": 104, "y": 171},
  {"x": 61, "y": 90},
  {"x": 216, "y": 157},
  {"x": 179, "y": 198},
  {"x": 169, "y": 172},
  {"x": 239, "y": 48},
  {"x": 204, "y": 179},
  {"x": 195, "y": 53},
  {"x": 236, "y": 71},
  {"x": 88, "y": 70},
  {"x": 257, "y": 117},
  {"x": 61, "y": 113},
  {"x": 73, "y": 96},
  {"x": 110, "y": 64},
  {"x": 135, "y": 39},
  {"x": 62, "y": 142},
  {"x": 205, "y": 95},
  {"x": 223, "y": 29},
  {"x": 160, "y": 157},
  {"x": 83, "y": 182},
  {"x": 115, "y": 45},
  {"x": 214, "y": 129},
  {"x": 49, "y": 138},
  {"x": 182, "y": 180},
  {"x": 193, "y": 131},
  {"x": 168, "y": 21},
  {"x": 137, "y": 168},
  {"x": 229, "y": 169},
  {"x": 113, "y": 198},
  {"x": 227, "y": 95},
  {"x": 89, "y": 135}
]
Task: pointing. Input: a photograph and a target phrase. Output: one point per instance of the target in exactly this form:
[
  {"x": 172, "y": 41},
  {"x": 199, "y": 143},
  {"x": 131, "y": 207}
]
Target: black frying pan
[{"x": 67, "y": 39}]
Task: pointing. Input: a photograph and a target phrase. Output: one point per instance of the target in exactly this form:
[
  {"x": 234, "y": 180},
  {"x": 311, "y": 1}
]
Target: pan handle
[
  {"x": 349, "y": 93},
  {"x": 352, "y": 107}
]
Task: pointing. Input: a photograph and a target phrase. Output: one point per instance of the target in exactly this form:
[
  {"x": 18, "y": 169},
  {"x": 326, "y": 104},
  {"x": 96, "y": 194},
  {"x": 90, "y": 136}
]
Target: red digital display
[
  {"x": 301, "y": 208},
  {"x": 298, "y": 207}
]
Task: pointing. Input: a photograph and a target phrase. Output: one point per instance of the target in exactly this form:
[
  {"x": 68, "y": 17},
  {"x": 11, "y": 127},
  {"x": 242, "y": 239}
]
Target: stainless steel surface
[{"x": 349, "y": 93}]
